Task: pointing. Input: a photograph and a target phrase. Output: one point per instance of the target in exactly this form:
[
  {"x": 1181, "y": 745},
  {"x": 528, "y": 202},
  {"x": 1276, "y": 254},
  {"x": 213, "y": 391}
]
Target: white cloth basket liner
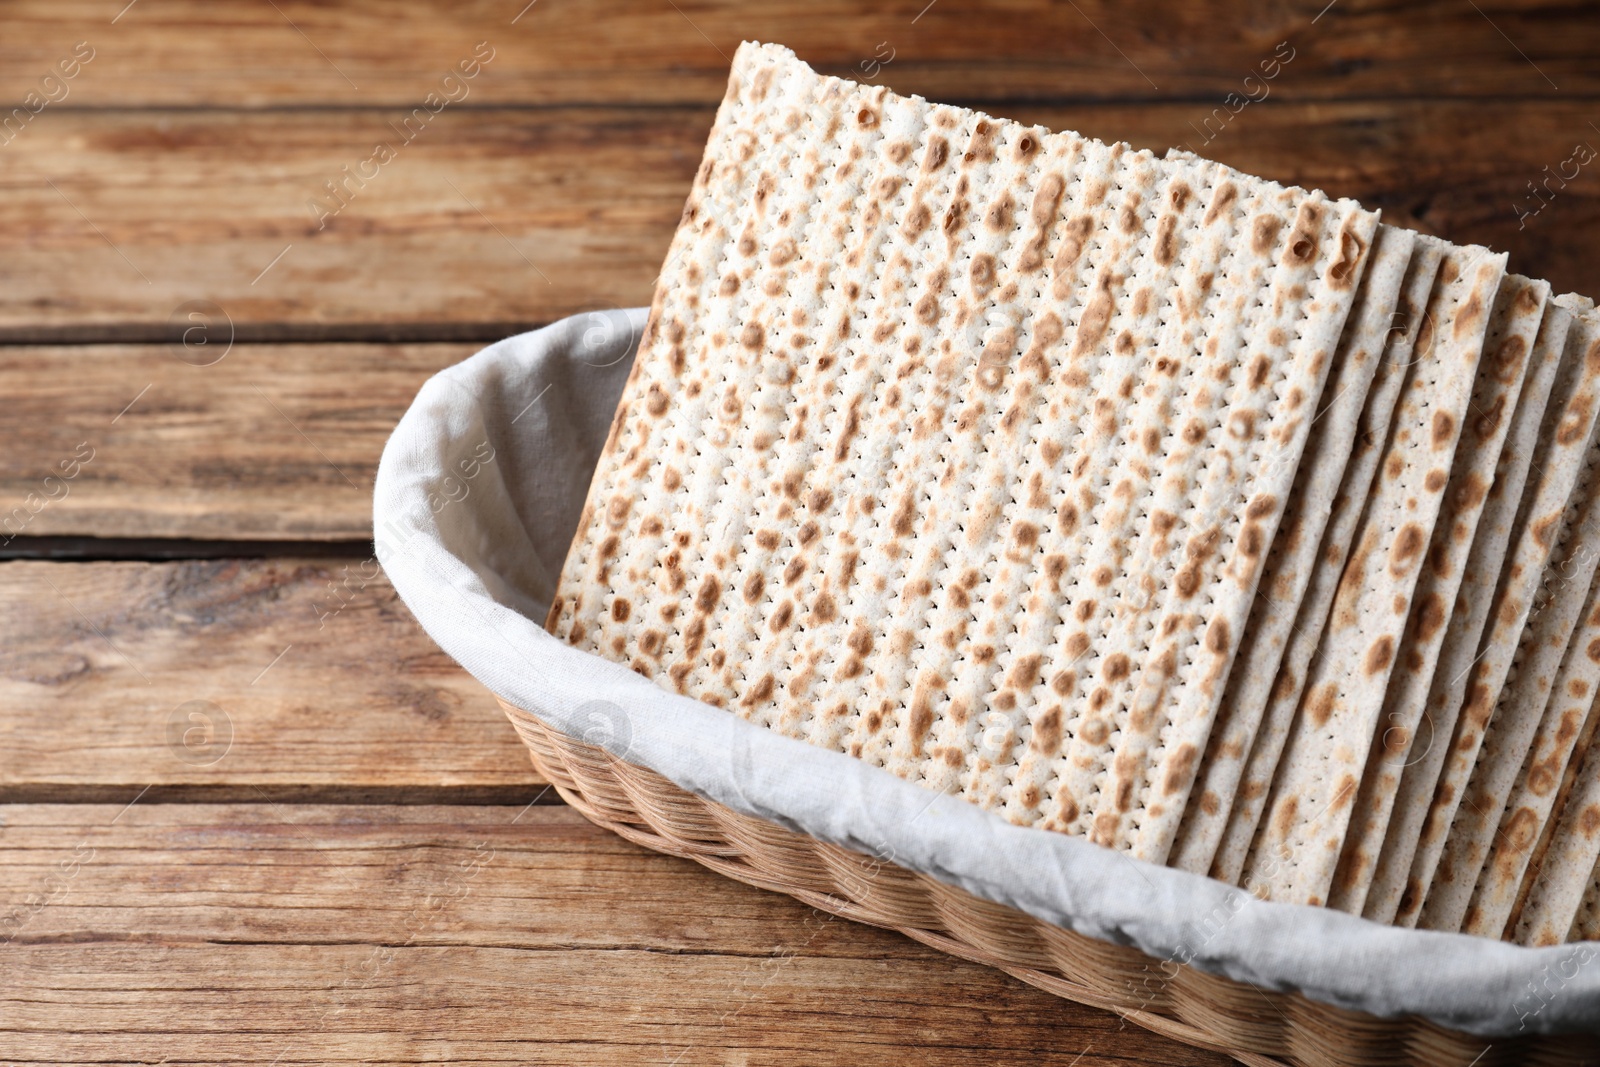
[{"x": 477, "y": 497}]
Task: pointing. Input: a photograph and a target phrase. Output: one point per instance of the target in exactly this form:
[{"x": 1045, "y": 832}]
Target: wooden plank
[
  {"x": 112, "y": 221},
  {"x": 265, "y": 934},
  {"x": 270, "y": 442},
  {"x": 187, "y": 52},
  {"x": 485, "y": 217},
  {"x": 286, "y": 679}
]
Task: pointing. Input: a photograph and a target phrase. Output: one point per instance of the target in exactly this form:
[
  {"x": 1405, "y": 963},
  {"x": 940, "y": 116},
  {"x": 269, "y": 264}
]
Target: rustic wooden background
[{"x": 248, "y": 812}]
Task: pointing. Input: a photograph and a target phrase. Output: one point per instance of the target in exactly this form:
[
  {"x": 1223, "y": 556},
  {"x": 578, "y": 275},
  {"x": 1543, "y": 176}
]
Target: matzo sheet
[
  {"x": 1496, "y": 743},
  {"x": 1586, "y": 927},
  {"x": 1296, "y": 551},
  {"x": 1243, "y": 813},
  {"x": 900, "y": 467},
  {"x": 1510, "y": 390},
  {"x": 1313, "y": 789},
  {"x": 1561, "y": 740},
  {"x": 1567, "y": 871},
  {"x": 1478, "y": 655}
]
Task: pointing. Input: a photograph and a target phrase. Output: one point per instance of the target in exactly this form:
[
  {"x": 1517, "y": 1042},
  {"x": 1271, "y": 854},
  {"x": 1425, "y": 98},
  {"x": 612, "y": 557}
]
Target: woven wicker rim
[{"x": 1257, "y": 1027}]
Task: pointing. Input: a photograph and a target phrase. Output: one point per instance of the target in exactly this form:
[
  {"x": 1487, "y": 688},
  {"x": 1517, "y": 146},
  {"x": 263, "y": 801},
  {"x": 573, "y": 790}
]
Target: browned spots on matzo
[
  {"x": 982, "y": 273},
  {"x": 1096, "y": 317},
  {"x": 1488, "y": 419},
  {"x": 1322, "y": 702},
  {"x": 1261, "y": 506},
  {"x": 1118, "y": 666},
  {"x": 1443, "y": 429},
  {"x": 1408, "y": 545},
  {"x": 1283, "y": 817},
  {"x": 1305, "y": 238},
  {"x": 1345, "y": 794},
  {"x": 1251, "y": 541},
  {"x": 823, "y": 608},
  {"x": 1574, "y": 420},
  {"x": 1430, "y": 616},
  {"x": 1047, "y": 200},
  {"x": 1379, "y": 655},
  {"x": 761, "y": 692},
  {"x": 1128, "y": 216},
  {"x": 1000, "y": 212},
  {"x": 1505, "y": 362},
  {"x": 1024, "y": 673},
  {"x": 1544, "y": 529},
  {"x": 1468, "y": 317},
  {"x": 1074, "y": 238},
  {"x": 709, "y": 593},
  {"x": 981, "y": 147},
  {"x": 1180, "y": 771},
  {"x": 901, "y": 522},
  {"x": 852, "y": 423},
  {"x": 1166, "y": 244},
  {"x": 694, "y": 636},
  {"x": 1046, "y": 738},
  {"x": 1471, "y": 492},
  {"x": 1527, "y": 301},
  {"x": 1264, "y": 233},
  {"x": 617, "y": 511},
  {"x": 1260, "y": 371},
  {"x": 917, "y": 219},
  {"x": 1222, "y": 202},
  {"x": 1343, "y": 272},
  {"x": 955, "y": 218},
  {"x": 1589, "y": 821},
  {"x": 1219, "y": 638},
  {"x": 921, "y": 719},
  {"x": 1435, "y": 481}
]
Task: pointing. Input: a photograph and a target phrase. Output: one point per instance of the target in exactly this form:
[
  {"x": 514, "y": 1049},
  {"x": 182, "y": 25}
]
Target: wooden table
[{"x": 248, "y": 812}]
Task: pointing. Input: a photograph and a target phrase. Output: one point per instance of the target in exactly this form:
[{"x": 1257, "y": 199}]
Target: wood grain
[
  {"x": 180, "y": 166},
  {"x": 187, "y": 52},
  {"x": 110, "y": 221},
  {"x": 263, "y": 933},
  {"x": 270, "y": 442},
  {"x": 323, "y": 680},
  {"x": 485, "y": 217}
]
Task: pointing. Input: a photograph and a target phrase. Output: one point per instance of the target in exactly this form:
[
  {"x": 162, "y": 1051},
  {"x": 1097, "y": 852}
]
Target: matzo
[
  {"x": 904, "y": 467},
  {"x": 1241, "y": 816},
  {"x": 1479, "y": 653},
  {"x": 1510, "y": 389},
  {"x": 1295, "y": 551},
  {"x": 1494, "y": 744},
  {"x": 1562, "y": 736},
  {"x": 1586, "y": 927},
  {"x": 1567, "y": 871},
  {"x": 1308, "y": 808}
]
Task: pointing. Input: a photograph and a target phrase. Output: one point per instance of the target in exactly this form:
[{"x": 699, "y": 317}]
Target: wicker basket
[{"x": 1255, "y": 1026}]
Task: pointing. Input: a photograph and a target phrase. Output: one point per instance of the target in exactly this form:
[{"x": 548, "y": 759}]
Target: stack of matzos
[{"x": 1128, "y": 496}]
